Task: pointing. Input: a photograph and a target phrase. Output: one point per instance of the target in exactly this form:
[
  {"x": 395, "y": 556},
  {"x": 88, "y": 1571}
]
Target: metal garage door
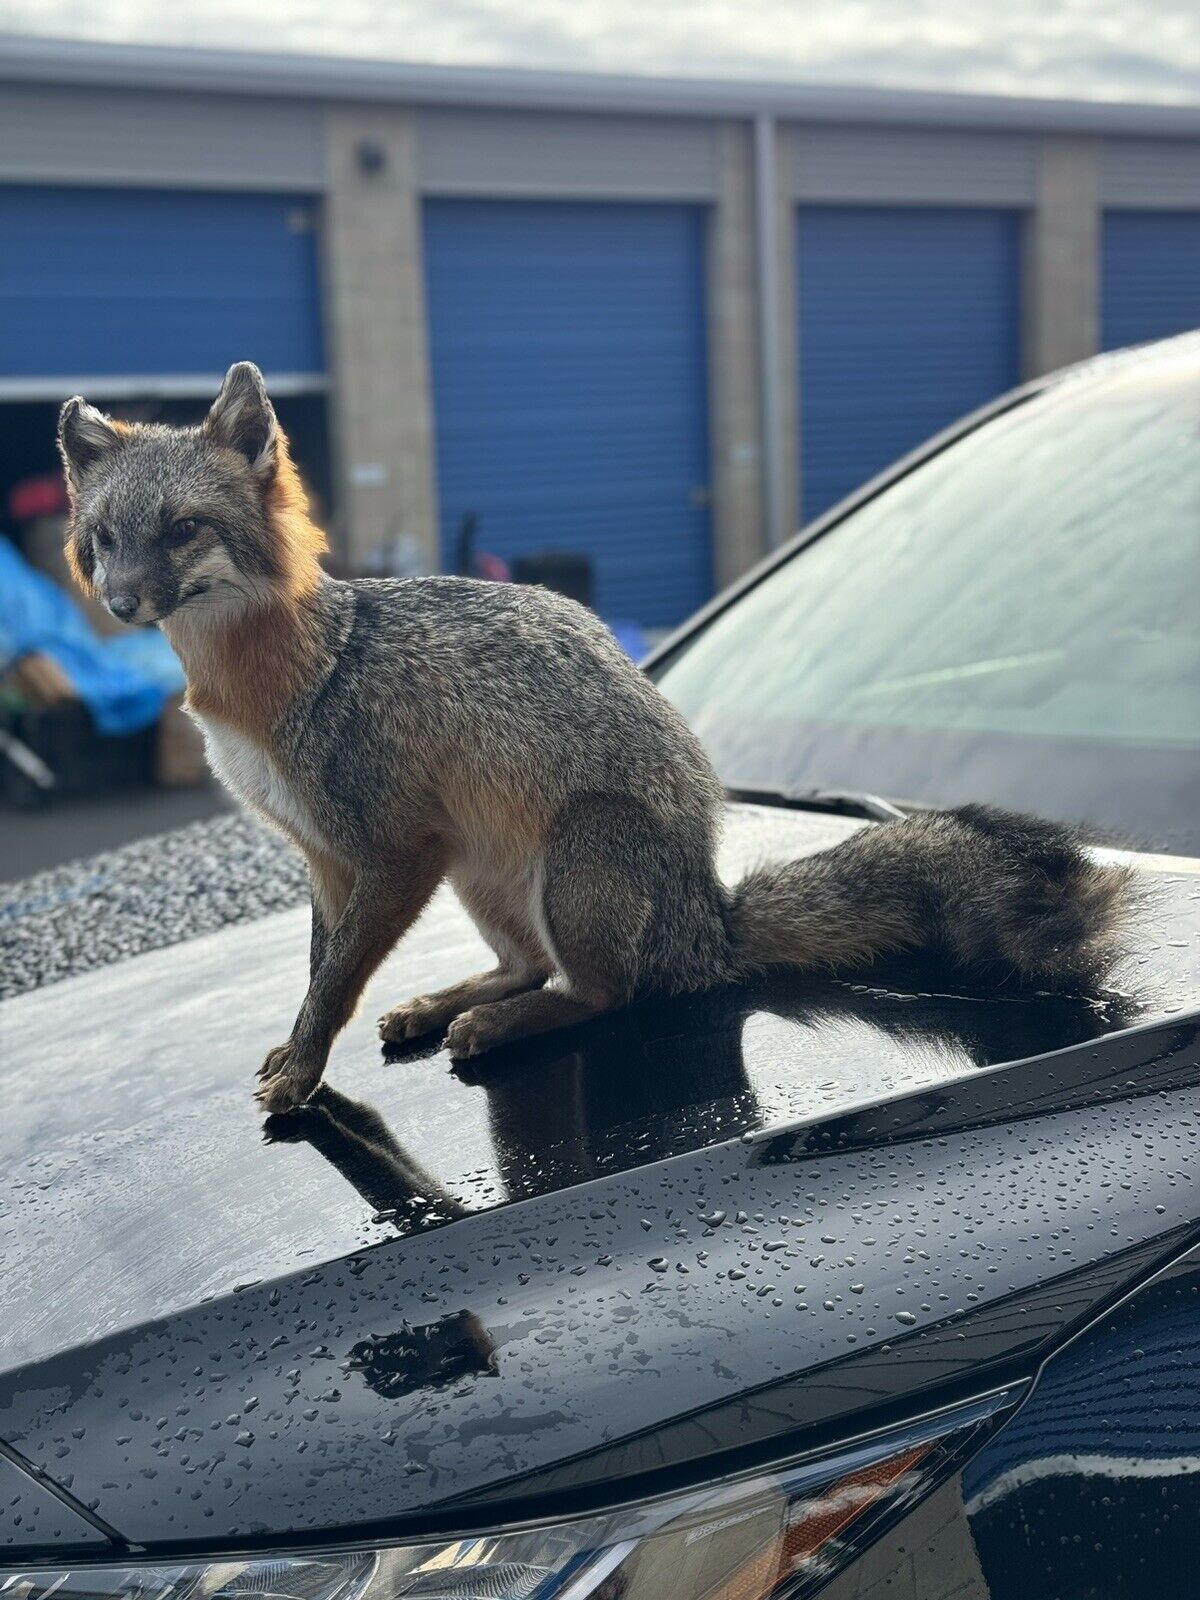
[
  {"x": 907, "y": 317},
  {"x": 1150, "y": 276},
  {"x": 568, "y": 357},
  {"x": 131, "y": 283}
]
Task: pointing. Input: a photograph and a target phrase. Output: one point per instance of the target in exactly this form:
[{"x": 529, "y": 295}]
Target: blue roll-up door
[
  {"x": 569, "y": 380},
  {"x": 907, "y": 317},
  {"x": 1150, "y": 276},
  {"x": 123, "y": 283}
]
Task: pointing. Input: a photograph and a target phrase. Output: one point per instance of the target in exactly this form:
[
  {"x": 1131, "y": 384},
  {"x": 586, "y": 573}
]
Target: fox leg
[
  {"x": 486, "y": 1027},
  {"x": 522, "y": 964},
  {"x": 594, "y": 904},
  {"x": 331, "y": 881},
  {"x": 377, "y": 913},
  {"x": 431, "y": 1013}
]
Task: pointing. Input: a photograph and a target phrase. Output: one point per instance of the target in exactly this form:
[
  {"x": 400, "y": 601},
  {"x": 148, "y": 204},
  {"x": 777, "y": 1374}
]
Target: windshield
[{"x": 1014, "y": 621}]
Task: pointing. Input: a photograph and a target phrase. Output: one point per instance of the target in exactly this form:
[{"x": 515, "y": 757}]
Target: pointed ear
[
  {"x": 242, "y": 418},
  {"x": 84, "y": 436}
]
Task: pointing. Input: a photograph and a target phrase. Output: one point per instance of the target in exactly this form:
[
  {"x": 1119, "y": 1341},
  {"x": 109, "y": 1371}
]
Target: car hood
[{"x": 143, "y": 1206}]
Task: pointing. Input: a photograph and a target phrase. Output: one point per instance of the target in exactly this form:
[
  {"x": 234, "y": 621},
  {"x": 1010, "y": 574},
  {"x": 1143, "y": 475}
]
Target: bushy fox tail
[{"x": 980, "y": 887}]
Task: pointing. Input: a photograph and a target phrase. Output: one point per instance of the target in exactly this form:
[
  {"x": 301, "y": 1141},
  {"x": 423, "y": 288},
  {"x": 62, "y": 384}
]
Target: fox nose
[{"x": 124, "y": 606}]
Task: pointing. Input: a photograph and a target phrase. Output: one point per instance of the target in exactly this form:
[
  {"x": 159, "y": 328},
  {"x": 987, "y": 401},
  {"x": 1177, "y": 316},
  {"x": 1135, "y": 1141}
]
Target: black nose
[{"x": 124, "y": 606}]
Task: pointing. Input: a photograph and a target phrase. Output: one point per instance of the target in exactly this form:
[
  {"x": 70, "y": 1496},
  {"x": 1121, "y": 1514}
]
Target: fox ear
[
  {"x": 242, "y": 418},
  {"x": 84, "y": 435}
]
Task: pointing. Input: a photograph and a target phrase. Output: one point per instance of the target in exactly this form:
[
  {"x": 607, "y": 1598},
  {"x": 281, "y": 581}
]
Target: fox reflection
[
  {"x": 638, "y": 1087},
  {"x": 667, "y": 1077}
]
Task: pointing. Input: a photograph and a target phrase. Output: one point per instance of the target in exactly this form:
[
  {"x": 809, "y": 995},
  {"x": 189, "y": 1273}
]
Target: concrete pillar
[
  {"x": 787, "y": 373},
  {"x": 1061, "y": 309},
  {"x": 734, "y": 394},
  {"x": 382, "y": 409}
]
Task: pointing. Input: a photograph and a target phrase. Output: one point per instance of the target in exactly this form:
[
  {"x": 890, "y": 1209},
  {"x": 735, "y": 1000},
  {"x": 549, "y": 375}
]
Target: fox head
[{"x": 209, "y": 521}]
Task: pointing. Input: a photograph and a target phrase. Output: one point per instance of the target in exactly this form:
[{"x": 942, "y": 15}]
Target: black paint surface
[{"x": 660, "y": 1247}]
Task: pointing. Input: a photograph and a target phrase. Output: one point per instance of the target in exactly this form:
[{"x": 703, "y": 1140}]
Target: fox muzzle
[{"x": 124, "y": 606}]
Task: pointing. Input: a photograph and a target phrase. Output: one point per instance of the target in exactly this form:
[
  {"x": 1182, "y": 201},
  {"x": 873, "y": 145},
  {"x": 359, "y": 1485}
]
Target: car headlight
[{"x": 772, "y": 1536}]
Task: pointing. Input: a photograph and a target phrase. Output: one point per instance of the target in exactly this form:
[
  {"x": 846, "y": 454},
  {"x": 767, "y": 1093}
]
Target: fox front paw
[{"x": 287, "y": 1080}]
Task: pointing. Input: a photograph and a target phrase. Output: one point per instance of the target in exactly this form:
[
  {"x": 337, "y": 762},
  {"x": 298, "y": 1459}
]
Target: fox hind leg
[
  {"x": 487, "y": 1027},
  {"x": 594, "y": 905},
  {"x": 431, "y": 1013},
  {"x": 502, "y": 916}
]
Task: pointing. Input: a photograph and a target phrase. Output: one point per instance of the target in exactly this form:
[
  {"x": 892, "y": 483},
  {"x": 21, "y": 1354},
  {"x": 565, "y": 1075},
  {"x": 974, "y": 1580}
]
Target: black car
[
  {"x": 1008, "y": 615},
  {"x": 872, "y": 1285}
]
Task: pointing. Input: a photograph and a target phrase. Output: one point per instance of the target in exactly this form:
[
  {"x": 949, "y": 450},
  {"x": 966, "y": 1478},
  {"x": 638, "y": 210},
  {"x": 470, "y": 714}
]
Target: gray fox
[{"x": 401, "y": 732}]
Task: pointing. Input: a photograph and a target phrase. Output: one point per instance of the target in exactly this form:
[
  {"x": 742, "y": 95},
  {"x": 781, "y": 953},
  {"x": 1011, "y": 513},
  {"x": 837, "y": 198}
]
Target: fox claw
[
  {"x": 276, "y": 1060},
  {"x": 286, "y": 1083},
  {"x": 271, "y": 1065}
]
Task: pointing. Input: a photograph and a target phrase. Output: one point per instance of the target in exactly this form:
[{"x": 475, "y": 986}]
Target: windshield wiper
[{"x": 838, "y": 802}]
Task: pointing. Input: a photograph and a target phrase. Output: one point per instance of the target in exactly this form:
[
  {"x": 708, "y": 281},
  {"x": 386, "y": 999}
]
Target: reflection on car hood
[
  {"x": 136, "y": 1177},
  {"x": 431, "y": 1295}
]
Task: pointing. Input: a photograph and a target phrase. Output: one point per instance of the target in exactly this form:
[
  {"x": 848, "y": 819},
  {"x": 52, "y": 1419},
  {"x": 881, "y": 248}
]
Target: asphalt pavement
[{"x": 68, "y": 830}]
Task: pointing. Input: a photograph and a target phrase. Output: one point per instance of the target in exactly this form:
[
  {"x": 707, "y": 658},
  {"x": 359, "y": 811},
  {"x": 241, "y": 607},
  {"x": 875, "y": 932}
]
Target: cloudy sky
[{"x": 1111, "y": 49}]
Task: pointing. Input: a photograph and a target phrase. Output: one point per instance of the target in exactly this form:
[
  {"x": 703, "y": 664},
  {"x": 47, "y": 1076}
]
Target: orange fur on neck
[
  {"x": 248, "y": 670},
  {"x": 298, "y": 542}
]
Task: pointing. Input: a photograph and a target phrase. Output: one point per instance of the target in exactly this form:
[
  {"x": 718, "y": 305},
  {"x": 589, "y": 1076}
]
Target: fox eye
[
  {"x": 183, "y": 530},
  {"x": 104, "y": 538}
]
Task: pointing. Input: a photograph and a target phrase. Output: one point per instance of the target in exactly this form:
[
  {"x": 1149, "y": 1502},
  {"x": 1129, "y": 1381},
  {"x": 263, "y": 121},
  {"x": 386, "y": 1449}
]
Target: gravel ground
[{"x": 142, "y": 897}]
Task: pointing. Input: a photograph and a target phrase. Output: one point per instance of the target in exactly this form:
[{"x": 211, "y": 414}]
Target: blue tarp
[{"x": 123, "y": 681}]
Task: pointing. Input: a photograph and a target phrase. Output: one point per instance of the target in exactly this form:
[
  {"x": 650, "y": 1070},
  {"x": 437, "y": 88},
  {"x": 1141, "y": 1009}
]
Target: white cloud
[{"x": 1132, "y": 49}]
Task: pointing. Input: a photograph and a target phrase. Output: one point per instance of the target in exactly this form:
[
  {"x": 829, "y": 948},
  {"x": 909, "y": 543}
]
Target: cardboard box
[{"x": 179, "y": 757}]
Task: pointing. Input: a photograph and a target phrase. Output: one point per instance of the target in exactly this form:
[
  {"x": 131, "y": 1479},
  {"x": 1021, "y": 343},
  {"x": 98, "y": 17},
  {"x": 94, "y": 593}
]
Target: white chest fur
[{"x": 249, "y": 772}]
